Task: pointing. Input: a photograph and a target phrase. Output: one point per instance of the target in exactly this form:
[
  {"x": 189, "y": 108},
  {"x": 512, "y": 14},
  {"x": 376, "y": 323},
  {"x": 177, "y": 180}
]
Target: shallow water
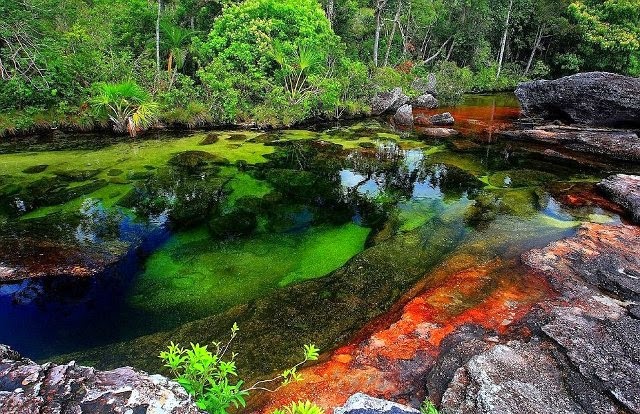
[{"x": 300, "y": 236}]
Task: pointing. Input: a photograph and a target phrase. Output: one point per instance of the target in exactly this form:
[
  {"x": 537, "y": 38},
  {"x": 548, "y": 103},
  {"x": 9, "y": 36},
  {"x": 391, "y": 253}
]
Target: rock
[
  {"x": 210, "y": 139},
  {"x": 615, "y": 144},
  {"x": 445, "y": 119},
  {"x": 426, "y": 101},
  {"x": 404, "y": 115},
  {"x": 595, "y": 98},
  {"x": 388, "y": 102},
  {"x": 605, "y": 351},
  {"x": 363, "y": 404},
  {"x": 605, "y": 256},
  {"x": 35, "y": 169},
  {"x": 26, "y": 387},
  {"x": 192, "y": 160},
  {"x": 438, "y": 132},
  {"x": 513, "y": 378},
  {"x": 624, "y": 190},
  {"x": 425, "y": 86}
]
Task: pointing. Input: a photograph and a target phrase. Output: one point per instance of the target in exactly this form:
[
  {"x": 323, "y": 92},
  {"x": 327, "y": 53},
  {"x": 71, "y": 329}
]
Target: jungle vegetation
[{"x": 67, "y": 63}]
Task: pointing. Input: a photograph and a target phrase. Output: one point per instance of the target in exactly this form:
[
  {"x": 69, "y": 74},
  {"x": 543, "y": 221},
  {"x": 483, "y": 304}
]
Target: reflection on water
[{"x": 297, "y": 235}]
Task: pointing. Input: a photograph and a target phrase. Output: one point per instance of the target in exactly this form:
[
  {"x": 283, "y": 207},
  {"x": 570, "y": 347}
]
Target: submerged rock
[
  {"x": 404, "y": 115},
  {"x": 35, "y": 169},
  {"x": 445, "y": 119},
  {"x": 388, "y": 102},
  {"x": 595, "y": 98},
  {"x": 27, "y": 387},
  {"x": 438, "y": 132},
  {"x": 616, "y": 144},
  {"x": 363, "y": 404},
  {"x": 195, "y": 159},
  {"x": 624, "y": 190}
]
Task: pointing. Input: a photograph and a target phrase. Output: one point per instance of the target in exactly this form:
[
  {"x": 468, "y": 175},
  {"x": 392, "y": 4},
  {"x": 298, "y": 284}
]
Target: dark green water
[{"x": 300, "y": 236}]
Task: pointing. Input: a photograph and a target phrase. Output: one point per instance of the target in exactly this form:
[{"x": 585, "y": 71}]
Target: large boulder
[
  {"x": 595, "y": 98},
  {"x": 624, "y": 190},
  {"x": 404, "y": 115},
  {"x": 426, "y": 101},
  {"x": 27, "y": 387},
  {"x": 388, "y": 102}
]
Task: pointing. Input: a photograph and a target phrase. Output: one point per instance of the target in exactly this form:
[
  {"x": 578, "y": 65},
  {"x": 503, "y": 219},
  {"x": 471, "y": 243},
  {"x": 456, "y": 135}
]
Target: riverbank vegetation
[{"x": 281, "y": 62}]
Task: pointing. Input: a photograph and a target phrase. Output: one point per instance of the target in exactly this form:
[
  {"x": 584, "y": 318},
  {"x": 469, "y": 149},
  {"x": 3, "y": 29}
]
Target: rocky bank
[{"x": 29, "y": 388}]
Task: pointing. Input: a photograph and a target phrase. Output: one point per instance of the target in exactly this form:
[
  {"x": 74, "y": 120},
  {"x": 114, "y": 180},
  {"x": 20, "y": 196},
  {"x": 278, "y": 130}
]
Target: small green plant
[
  {"x": 306, "y": 407},
  {"x": 127, "y": 105},
  {"x": 428, "y": 407},
  {"x": 212, "y": 380}
]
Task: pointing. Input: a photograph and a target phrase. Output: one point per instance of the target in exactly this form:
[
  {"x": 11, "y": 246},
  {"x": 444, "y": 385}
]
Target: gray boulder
[
  {"x": 426, "y": 101},
  {"x": 594, "y": 98},
  {"x": 27, "y": 387},
  {"x": 363, "y": 404},
  {"x": 425, "y": 85},
  {"x": 404, "y": 115},
  {"x": 445, "y": 119},
  {"x": 624, "y": 190},
  {"x": 388, "y": 102}
]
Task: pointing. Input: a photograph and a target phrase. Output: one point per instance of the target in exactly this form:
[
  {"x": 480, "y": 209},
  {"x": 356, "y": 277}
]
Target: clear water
[{"x": 299, "y": 236}]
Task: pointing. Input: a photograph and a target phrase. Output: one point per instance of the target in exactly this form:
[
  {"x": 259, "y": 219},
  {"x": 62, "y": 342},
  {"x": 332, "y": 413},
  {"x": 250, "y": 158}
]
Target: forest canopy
[{"x": 283, "y": 61}]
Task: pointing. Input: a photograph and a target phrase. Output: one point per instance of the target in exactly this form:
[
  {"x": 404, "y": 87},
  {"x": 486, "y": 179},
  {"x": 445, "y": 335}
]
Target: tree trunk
[
  {"x": 536, "y": 45},
  {"x": 170, "y": 63},
  {"x": 331, "y": 11},
  {"x": 376, "y": 43},
  {"x": 396, "y": 22},
  {"x": 158, "y": 36},
  {"x": 503, "y": 44}
]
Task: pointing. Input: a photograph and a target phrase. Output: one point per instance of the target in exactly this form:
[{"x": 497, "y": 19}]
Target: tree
[{"x": 611, "y": 29}]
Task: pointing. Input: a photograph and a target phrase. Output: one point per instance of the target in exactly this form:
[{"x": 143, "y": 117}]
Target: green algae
[{"x": 194, "y": 272}]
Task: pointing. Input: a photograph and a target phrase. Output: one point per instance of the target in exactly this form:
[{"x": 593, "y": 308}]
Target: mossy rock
[
  {"x": 238, "y": 222},
  {"x": 238, "y": 137},
  {"x": 367, "y": 145},
  {"x": 139, "y": 175},
  {"x": 485, "y": 209},
  {"x": 210, "y": 139},
  {"x": 114, "y": 172},
  {"x": 291, "y": 181},
  {"x": 520, "y": 178},
  {"x": 36, "y": 169},
  {"x": 195, "y": 159},
  {"x": 267, "y": 137},
  {"x": 76, "y": 175},
  {"x": 150, "y": 167}
]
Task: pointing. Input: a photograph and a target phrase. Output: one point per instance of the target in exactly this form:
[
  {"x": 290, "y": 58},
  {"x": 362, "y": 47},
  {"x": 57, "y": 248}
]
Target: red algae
[
  {"x": 389, "y": 357},
  {"x": 482, "y": 121}
]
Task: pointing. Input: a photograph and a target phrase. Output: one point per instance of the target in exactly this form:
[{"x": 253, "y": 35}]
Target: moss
[
  {"x": 192, "y": 271},
  {"x": 210, "y": 139},
  {"x": 195, "y": 159}
]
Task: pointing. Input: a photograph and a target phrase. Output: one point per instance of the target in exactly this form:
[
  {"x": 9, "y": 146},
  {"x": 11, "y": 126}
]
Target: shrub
[
  {"x": 210, "y": 376},
  {"x": 299, "y": 407},
  {"x": 428, "y": 407}
]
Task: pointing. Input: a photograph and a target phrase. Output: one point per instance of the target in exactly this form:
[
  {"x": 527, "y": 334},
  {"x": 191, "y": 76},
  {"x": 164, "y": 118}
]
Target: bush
[
  {"x": 300, "y": 407},
  {"x": 452, "y": 82},
  {"x": 428, "y": 407},
  {"x": 209, "y": 376}
]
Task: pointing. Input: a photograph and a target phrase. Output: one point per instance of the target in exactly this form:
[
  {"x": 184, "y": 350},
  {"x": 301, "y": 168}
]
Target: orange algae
[{"x": 492, "y": 294}]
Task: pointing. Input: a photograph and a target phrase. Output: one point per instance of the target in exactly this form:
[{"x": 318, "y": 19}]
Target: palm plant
[
  {"x": 175, "y": 41},
  {"x": 296, "y": 68},
  {"x": 128, "y": 106}
]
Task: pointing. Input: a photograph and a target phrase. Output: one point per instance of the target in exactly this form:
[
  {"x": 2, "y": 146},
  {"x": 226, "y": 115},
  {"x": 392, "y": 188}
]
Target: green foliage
[
  {"x": 300, "y": 407},
  {"x": 211, "y": 376},
  {"x": 427, "y": 407},
  {"x": 452, "y": 82},
  {"x": 611, "y": 30},
  {"x": 126, "y": 104}
]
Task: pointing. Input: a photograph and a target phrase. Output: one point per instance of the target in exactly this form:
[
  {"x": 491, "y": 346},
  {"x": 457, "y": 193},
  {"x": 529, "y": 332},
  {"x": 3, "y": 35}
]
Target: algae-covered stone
[
  {"x": 77, "y": 175},
  {"x": 291, "y": 181},
  {"x": 192, "y": 160},
  {"x": 36, "y": 169},
  {"x": 210, "y": 139},
  {"x": 114, "y": 172},
  {"x": 520, "y": 178},
  {"x": 237, "y": 222}
]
